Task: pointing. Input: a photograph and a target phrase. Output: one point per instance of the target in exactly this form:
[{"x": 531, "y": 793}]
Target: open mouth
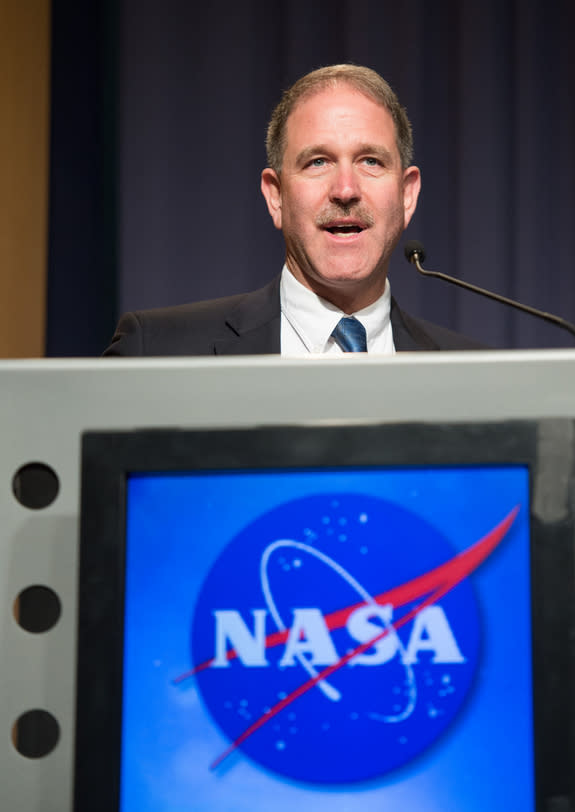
[{"x": 344, "y": 229}]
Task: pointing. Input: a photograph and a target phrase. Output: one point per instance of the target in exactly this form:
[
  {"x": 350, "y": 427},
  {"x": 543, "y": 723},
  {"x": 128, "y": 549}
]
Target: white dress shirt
[{"x": 307, "y": 321}]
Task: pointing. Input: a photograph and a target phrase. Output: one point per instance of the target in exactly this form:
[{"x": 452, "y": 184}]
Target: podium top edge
[{"x": 474, "y": 357}]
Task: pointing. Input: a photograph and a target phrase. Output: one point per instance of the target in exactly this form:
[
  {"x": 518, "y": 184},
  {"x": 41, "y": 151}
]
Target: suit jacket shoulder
[
  {"x": 244, "y": 324},
  {"x": 417, "y": 335}
]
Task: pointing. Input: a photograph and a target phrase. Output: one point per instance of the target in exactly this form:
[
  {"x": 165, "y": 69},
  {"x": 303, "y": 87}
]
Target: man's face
[{"x": 341, "y": 199}]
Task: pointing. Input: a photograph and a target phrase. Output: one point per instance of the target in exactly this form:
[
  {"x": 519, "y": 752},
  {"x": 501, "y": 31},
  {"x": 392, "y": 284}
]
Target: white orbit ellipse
[{"x": 327, "y": 689}]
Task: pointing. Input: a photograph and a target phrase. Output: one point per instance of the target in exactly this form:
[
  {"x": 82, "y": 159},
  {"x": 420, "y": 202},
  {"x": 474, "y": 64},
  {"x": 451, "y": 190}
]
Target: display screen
[{"x": 328, "y": 640}]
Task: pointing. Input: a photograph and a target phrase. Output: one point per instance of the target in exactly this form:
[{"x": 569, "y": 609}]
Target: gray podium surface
[{"x": 46, "y": 405}]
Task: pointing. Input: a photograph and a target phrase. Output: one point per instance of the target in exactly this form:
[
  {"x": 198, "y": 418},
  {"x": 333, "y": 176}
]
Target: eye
[
  {"x": 317, "y": 162},
  {"x": 371, "y": 161}
]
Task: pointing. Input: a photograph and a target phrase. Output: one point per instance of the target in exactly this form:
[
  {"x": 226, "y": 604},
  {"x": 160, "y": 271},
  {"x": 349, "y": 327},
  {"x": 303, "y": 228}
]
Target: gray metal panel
[{"x": 46, "y": 405}]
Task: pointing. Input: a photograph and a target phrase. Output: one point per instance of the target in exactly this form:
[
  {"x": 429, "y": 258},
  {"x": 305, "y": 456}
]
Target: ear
[
  {"x": 411, "y": 187},
  {"x": 271, "y": 190}
]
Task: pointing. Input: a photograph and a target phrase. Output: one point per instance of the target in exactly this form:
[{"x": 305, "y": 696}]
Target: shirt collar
[{"x": 314, "y": 318}]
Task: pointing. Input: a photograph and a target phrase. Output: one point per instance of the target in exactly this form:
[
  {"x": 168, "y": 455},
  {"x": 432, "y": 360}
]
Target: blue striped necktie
[{"x": 350, "y": 335}]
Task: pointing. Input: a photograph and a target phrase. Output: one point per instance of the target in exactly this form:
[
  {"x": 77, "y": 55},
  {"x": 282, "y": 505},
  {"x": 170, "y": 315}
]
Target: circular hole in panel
[
  {"x": 37, "y": 609},
  {"x": 35, "y": 733},
  {"x": 35, "y": 485}
]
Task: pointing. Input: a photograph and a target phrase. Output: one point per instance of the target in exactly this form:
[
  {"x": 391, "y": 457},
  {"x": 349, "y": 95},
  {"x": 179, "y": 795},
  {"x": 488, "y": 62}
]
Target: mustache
[{"x": 359, "y": 213}]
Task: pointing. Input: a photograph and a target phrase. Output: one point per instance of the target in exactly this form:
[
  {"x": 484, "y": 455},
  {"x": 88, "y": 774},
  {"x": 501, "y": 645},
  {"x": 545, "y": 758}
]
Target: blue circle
[{"x": 301, "y": 562}]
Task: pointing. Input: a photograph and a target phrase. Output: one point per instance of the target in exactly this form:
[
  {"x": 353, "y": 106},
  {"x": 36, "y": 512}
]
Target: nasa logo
[{"x": 325, "y": 647}]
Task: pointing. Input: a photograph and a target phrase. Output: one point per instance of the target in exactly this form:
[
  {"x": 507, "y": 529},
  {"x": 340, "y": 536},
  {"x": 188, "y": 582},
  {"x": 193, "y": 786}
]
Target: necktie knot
[{"x": 350, "y": 335}]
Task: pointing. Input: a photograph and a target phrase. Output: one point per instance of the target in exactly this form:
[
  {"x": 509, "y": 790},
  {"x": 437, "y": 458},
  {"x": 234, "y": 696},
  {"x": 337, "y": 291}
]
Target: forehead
[{"x": 339, "y": 115}]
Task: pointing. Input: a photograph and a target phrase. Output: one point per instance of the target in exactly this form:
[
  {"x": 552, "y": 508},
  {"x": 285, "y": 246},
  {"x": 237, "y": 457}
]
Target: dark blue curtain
[
  {"x": 490, "y": 89},
  {"x": 83, "y": 221}
]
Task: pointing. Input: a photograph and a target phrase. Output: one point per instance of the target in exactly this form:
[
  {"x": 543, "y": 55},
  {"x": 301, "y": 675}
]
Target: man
[{"x": 341, "y": 187}]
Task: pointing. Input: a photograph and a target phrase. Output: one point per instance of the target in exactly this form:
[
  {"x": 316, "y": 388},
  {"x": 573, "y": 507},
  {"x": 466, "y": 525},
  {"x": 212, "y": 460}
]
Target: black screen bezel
[{"x": 109, "y": 457}]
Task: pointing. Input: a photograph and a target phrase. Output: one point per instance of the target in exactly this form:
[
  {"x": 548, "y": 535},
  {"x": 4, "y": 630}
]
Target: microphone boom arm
[{"x": 414, "y": 258}]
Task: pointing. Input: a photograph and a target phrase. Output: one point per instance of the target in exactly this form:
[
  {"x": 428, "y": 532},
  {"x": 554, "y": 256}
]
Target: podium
[{"x": 46, "y": 406}]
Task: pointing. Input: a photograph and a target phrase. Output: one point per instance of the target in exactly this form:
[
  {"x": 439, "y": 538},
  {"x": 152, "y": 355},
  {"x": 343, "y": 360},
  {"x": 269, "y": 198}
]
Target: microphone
[{"x": 415, "y": 254}]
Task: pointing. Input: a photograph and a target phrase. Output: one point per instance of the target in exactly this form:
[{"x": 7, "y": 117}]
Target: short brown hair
[{"x": 365, "y": 80}]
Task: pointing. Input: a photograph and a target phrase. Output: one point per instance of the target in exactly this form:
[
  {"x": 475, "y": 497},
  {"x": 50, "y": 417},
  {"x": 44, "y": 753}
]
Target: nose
[{"x": 345, "y": 187}]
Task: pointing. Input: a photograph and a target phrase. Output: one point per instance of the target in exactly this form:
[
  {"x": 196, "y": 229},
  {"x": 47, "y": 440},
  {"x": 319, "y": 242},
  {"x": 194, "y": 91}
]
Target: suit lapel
[
  {"x": 408, "y": 335},
  {"x": 253, "y": 327}
]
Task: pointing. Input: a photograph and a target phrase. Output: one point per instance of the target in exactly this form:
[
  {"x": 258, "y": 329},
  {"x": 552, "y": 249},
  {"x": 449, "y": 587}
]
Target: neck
[{"x": 349, "y": 297}]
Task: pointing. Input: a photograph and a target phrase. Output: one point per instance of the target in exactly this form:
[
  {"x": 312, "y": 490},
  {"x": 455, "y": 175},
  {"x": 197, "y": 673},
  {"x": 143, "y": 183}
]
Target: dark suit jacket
[{"x": 248, "y": 324}]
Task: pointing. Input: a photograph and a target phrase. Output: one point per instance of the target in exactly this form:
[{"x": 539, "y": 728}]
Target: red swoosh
[{"x": 456, "y": 568}]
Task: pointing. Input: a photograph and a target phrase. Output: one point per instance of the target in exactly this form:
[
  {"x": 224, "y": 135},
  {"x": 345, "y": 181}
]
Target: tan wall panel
[{"x": 24, "y": 167}]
